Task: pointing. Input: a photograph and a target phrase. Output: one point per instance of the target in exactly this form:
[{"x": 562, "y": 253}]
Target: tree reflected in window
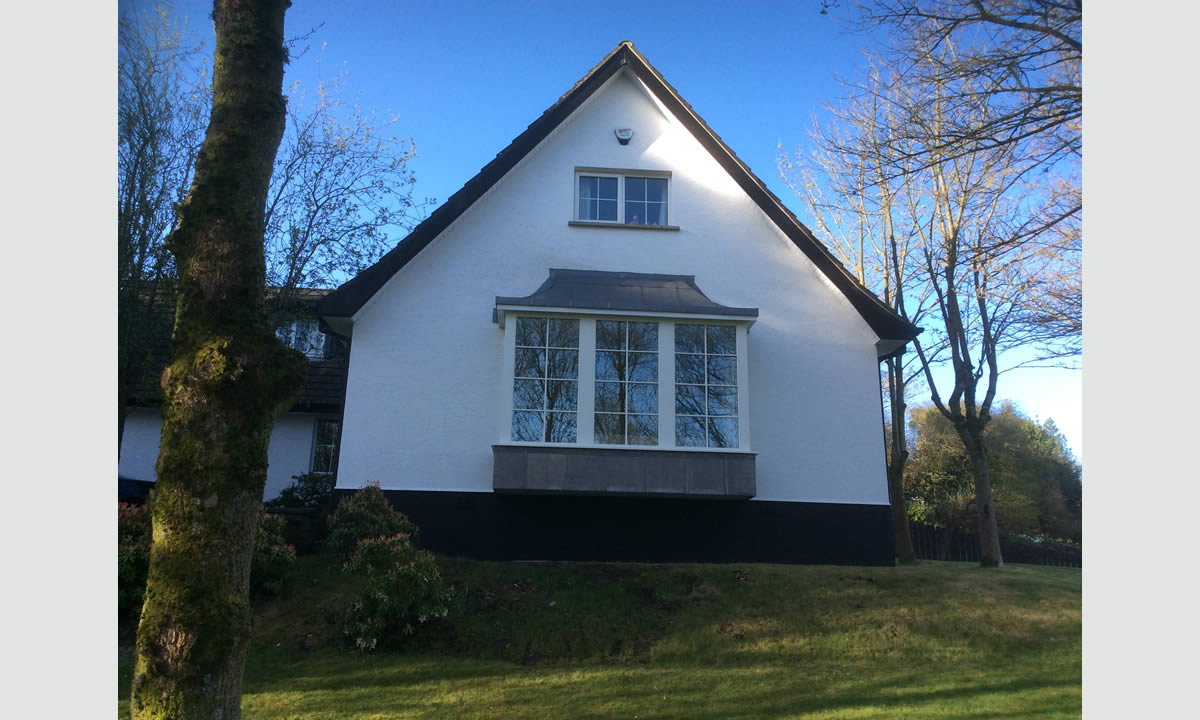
[{"x": 545, "y": 380}]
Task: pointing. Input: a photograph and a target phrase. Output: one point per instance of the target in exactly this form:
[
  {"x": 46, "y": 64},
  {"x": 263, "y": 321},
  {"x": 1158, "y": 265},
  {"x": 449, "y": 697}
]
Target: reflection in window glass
[
  {"x": 706, "y": 386},
  {"x": 325, "y": 446},
  {"x": 546, "y": 380},
  {"x": 626, "y": 383}
]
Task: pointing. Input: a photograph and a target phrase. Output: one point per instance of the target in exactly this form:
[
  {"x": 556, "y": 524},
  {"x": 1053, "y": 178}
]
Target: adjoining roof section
[
  {"x": 351, "y": 296},
  {"x": 623, "y": 291}
]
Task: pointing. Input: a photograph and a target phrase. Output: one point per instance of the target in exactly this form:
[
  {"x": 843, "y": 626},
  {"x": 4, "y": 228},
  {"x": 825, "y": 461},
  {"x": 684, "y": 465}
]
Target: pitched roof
[
  {"x": 600, "y": 290},
  {"x": 352, "y": 295}
]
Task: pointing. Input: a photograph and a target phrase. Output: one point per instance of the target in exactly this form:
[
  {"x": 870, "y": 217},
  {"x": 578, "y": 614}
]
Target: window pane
[
  {"x": 722, "y": 400},
  {"x": 643, "y": 336},
  {"x": 689, "y": 369},
  {"x": 643, "y": 429},
  {"x": 564, "y": 333},
  {"x": 560, "y": 427},
  {"x": 635, "y": 188},
  {"x": 529, "y": 394},
  {"x": 635, "y": 213},
  {"x": 531, "y": 332},
  {"x": 722, "y": 432},
  {"x": 606, "y": 210},
  {"x": 327, "y": 432},
  {"x": 689, "y": 400},
  {"x": 607, "y": 189},
  {"x": 563, "y": 364},
  {"x": 656, "y": 214},
  {"x": 722, "y": 370},
  {"x": 689, "y": 431},
  {"x": 610, "y": 365},
  {"x": 610, "y": 334},
  {"x": 562, "y": 395},
  {"x": 530, "y": 362},
  {"x": 609, "y": 397},
  {"x": 527, "y": 427},
  {"x": 610, "y": 429},
  {"x": 643, "y": 366},
  {"x": 722, "y": 340},
  {"x": 689, "y": 338},
  {"x": 322, "y": 459},
  {"x": 588, "y": 186},
  {"x": 643, "y": 398},
  {"x": 656, "y": 189},
  {"x": 588, "y": 209}
]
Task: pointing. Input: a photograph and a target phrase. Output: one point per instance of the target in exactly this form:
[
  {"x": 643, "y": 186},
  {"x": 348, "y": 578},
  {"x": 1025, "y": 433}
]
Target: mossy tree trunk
[{"x": 227, "y": 379}]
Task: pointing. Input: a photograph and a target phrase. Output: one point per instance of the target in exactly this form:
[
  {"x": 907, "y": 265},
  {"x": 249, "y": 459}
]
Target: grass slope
[{"x": 934, "y": 640}]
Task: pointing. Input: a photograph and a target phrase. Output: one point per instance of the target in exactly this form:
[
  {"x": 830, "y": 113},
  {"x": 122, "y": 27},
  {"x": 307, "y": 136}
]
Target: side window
[
  {"x": 325, "y": 446},
  {"x": 546, "y": 380},
  {"x": 706, "y": 386}
]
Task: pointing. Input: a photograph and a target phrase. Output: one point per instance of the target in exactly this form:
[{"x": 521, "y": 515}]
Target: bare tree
[
  {"x": 160, "y": 125},
  {"x": 227, "y": 379},
  {"x": 1023, "y": 56},
  {"x": 341, "y": 182},
  {"x": 858, "y": 203},
  {"x": 1024, "y": 59}
]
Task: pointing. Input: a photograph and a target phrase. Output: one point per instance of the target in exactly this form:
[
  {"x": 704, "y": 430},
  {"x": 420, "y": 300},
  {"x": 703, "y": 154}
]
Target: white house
[
  {"x": 303, "y": 440},
  {"x": 615, "y": 343}
]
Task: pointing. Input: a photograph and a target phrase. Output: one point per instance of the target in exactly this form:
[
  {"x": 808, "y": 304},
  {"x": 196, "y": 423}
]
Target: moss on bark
[{"x": 227, "y": 379}]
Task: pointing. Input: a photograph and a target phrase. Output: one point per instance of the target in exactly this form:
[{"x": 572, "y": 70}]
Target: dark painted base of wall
[{"x": 491, "y": 526}]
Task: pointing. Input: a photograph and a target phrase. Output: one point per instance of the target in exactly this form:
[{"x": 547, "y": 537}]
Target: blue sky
[{"x": 465, "y": 78}]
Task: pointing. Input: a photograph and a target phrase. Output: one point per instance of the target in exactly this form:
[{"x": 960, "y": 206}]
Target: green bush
[
  {"x": 403, "y": 590},
  {"x": 269, "y": 566},
  {"x": 133, "y": 556},
  {"x": 366, "y": 514},
  {"x": 306, "y": 490},
  {"x": 273, "y": 557}
]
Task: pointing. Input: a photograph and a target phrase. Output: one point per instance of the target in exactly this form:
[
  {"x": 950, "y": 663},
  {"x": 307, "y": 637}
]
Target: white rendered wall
[
  {"x": 426, "y": 363},
  {"x": 290, "y": 451}
]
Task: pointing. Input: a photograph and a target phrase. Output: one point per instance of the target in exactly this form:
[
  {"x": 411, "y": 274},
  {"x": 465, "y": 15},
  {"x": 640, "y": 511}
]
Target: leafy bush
[
  {"x": 306, "y": 490},
  {"x": 269, "y": 566},
  {"x": 272, "y": 558},
  {"x": 1040, "y": 550},
  {"x": 133, "y": 556},
  {"x": 366, "y": 514},
  {"x": 403, "y": 589}
]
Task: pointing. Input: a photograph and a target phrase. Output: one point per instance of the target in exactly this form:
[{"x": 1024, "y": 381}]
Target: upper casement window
[
  {"x": 304, "y": 335},
  {"x": 622, "y": 198}
]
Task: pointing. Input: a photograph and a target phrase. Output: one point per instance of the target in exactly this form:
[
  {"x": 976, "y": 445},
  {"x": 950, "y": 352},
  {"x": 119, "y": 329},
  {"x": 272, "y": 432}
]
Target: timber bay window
[
  {"x": 603, "y": 381},
  {"x": 621, "y": 199}
]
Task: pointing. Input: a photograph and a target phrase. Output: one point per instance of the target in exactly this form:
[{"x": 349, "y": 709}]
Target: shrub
[
  {"x": 403, "y": 590},
  {"x": 306, "y": 490},
  {"x": 272, "y": 558},
  {"x": 269, "y": 565},
  {"x": 133, "y": 556},
  {"x": 366, "y": 514}
]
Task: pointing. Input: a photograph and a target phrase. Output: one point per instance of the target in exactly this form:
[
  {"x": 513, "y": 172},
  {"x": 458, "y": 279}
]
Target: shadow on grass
[{"x": 445, "y": 687}]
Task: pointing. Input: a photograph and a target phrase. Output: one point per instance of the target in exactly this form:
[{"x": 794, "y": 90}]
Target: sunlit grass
[{"x": 934, "y": 640}]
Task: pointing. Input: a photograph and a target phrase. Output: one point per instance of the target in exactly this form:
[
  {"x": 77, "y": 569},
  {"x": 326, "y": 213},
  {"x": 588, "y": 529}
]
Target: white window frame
[
  {"x": 586, "y": 393},
  {"x": 621, "y": 176}
]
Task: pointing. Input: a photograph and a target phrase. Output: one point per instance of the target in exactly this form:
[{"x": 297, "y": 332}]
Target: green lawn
[{"x": 934, "y": 640}]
